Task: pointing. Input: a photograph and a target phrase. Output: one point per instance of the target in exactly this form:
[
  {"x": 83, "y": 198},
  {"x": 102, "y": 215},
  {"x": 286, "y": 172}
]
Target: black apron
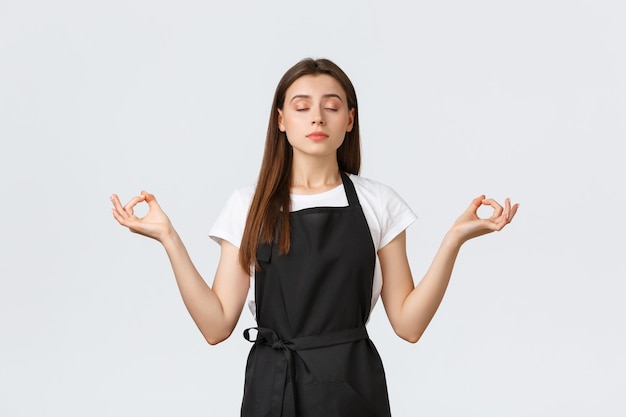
[{"x": 312, "y": 356}]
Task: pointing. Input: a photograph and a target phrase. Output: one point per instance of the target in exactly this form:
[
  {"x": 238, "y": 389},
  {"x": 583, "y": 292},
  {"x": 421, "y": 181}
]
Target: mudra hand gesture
[
  {"x": 469, "y": 225},
  {"x": 155, "y": 224}
]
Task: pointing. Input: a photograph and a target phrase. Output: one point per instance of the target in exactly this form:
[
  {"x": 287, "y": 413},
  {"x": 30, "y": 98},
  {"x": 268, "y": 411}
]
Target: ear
[
  {"x": 350, "y": 120},
  {"x": 281, "y": 125}
]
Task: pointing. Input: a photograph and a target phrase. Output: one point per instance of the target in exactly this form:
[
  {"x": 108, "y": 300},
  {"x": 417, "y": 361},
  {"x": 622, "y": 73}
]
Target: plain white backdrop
[{"x": 520, "y": 99}]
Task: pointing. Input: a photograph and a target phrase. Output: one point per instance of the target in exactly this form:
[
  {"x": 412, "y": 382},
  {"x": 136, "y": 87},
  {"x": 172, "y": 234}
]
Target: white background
[{"x": 457, "y": 98}]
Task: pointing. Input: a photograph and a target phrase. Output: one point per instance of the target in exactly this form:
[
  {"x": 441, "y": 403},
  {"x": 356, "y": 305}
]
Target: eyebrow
[{"x": 332, "y": 95}]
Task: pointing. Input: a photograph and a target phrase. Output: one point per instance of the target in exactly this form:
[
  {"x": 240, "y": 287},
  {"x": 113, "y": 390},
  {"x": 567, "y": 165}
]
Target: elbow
[
  {"x": 410, "y": 335},
  {"x": 213, "y": 338},
  {"x": 411, "y": 338}
]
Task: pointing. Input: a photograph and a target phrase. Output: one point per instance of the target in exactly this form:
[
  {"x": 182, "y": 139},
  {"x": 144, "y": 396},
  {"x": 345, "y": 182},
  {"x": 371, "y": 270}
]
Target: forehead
[{"x": 315, "y": 86}]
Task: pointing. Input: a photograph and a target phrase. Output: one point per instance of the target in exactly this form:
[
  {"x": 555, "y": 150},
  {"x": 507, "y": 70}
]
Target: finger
[
  {"x": 117, "y": 206},
  {"x": 115, "y": 200},
  {"x": 507, "y": 209},
  {"x": 129, "y": 207},
  {"x": 509, "y": 213},
  {"x": 116, "y": 215},
  {"x": 497, "y": 208},
  {"x": 125, "y": 211},
  {"x": 513, "y": 211},
  {"x": 120, "y": 215},
  {"x": 475, "y": 204},
  {"x": 149, "y": 198},
  {"x": 478, "y": 201}
]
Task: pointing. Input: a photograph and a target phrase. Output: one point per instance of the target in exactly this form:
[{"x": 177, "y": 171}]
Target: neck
[{"x": 312, "y": 175}]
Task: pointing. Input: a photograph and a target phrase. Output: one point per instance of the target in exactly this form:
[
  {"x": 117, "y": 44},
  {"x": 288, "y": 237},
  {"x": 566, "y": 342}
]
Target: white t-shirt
[{"x": 386, "y": 213}]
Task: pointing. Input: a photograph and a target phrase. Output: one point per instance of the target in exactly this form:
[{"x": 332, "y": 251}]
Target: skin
[
  {"x": 313, "y": 104},
  {"x": 315, "y": 118}
]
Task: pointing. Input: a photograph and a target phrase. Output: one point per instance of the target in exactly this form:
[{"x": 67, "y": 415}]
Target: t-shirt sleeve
[
  {"x": 395, "y": 215},
  {"x": 231, "y": 221}
]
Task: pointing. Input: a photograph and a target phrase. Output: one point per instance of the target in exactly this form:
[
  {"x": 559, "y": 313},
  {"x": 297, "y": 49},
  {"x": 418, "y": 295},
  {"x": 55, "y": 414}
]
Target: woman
[{"x": 318, "y": 244}]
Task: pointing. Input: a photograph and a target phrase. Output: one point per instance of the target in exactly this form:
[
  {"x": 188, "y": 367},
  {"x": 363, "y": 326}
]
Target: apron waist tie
[{"x": 285, "y": 366}]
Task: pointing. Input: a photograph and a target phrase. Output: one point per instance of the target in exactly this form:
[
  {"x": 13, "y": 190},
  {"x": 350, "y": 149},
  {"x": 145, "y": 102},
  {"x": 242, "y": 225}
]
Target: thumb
[
  {"x": 476, "y": 203},
  {"x": 149, "y": 198}
]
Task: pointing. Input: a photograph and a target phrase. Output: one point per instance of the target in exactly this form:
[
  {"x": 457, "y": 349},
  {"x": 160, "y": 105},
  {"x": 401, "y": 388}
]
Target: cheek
[
  {"x": 287, "y": 122},
  {"x": 289, "y": 141}
]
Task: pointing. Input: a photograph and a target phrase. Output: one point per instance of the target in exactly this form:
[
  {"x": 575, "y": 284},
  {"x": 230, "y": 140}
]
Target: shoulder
[
  {"x": 242, "y": 196},
  {"x": 231, "y": 221},
  {"x": 238, "y": 202},
  {"x": 373, "y": 190},
  {"x": 386, "y": 212}
]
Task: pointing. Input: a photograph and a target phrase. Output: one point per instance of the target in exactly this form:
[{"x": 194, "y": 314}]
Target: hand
[
  {"x": 469, "y": 225},
  {"x": 155, "y": 224}
]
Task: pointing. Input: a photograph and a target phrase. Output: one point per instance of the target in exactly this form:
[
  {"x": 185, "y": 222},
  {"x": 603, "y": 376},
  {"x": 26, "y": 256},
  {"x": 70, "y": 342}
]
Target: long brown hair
[{"x": 271, "y": 203}]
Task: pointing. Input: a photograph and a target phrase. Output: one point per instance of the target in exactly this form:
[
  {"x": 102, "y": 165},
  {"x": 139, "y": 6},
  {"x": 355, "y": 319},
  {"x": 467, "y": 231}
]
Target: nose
[{"x": 316, "y": 117}]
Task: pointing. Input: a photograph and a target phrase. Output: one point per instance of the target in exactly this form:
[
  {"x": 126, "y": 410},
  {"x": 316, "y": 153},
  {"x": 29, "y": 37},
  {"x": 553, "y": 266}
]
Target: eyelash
[{"x": 325, "y": 108}]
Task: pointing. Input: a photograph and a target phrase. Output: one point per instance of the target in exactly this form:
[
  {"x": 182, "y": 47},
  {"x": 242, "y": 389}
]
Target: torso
[{"x": 313, "y": 356}]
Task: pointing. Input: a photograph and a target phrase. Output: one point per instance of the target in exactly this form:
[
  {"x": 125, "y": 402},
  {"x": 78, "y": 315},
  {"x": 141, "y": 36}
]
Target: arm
[
  {"x": 214, "y": 310},
  {"x": 410, "y": 308}
]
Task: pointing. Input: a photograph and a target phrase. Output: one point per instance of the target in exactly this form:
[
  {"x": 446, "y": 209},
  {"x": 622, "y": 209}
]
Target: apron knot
[
  {"x": 285, "y": 366},
  {"x": 278, "y": 345}
]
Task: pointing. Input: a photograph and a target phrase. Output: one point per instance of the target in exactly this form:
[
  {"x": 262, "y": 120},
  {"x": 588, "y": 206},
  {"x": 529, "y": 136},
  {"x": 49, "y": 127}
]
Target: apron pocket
[{"x": 264, "y": 252}]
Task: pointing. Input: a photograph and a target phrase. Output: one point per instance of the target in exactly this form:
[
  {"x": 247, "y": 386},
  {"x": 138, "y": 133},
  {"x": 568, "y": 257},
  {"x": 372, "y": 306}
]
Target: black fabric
[{"x": 312, "y": 355}]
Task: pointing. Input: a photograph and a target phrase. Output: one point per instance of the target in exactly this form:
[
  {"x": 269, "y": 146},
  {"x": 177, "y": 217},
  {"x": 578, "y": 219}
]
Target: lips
[{"x": 317, "y": 136}]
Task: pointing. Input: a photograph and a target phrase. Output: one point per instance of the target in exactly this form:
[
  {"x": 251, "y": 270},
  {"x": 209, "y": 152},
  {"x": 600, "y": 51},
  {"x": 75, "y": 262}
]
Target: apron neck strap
[{"x": 350, "y": 191}]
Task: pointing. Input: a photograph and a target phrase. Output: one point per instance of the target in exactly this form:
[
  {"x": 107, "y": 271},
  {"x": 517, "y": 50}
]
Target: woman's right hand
[{"x": 155, "y": 224}]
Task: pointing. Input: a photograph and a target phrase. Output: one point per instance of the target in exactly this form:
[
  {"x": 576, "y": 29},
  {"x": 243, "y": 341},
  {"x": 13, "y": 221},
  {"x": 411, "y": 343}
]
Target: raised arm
[
  {"x": 410, "y": 308},
  {"x": 214, "y": 310}
]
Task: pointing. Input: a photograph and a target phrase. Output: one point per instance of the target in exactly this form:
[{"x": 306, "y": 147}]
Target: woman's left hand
[{"x": 469, "y": 225}]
